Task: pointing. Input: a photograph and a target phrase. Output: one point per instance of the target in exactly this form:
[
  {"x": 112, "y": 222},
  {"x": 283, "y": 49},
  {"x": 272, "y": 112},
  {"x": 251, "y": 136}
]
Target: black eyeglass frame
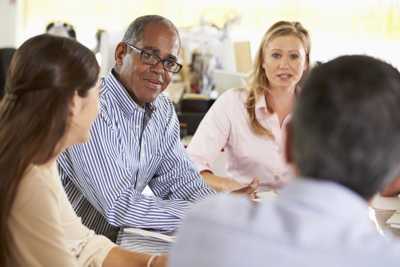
[{"x": 177, "y": 67}]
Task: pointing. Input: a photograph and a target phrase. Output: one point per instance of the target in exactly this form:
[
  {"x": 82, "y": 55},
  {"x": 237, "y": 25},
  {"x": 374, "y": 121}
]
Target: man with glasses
[{"x": 135, "y": 141}]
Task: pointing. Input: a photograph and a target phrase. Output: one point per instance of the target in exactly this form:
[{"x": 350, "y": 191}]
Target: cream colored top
[{"x": 46, "y": 230}]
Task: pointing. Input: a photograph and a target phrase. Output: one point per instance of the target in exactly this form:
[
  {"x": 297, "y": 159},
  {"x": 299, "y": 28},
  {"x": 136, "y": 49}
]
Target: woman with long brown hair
[
  {"x": 50, "y": 102},
  {"x": 249, "y": 124}
]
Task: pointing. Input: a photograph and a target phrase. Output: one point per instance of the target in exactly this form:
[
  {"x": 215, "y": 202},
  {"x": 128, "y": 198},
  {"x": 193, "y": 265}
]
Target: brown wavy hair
[
  {"x": 258, "y": 80},
  {"x": 44, "y": 74}
]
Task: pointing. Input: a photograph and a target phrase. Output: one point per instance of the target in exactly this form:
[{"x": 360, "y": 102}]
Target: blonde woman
[
  {"x": 50, "y": 103},
  {"x": 248, "y": 124}
]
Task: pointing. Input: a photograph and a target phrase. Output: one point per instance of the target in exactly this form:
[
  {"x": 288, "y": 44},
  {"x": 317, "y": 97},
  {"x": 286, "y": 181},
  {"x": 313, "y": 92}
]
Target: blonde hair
[{"x": 258, "y": 80}]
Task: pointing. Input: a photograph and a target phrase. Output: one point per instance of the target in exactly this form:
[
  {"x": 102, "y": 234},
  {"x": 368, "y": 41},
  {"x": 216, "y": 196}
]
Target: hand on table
[
  {"x": 392, "y": 189},
  {"x": 250, "y": 190}
]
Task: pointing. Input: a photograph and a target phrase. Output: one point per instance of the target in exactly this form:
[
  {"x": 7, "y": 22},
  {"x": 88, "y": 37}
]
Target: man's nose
[{"x": 158, "y": 67}]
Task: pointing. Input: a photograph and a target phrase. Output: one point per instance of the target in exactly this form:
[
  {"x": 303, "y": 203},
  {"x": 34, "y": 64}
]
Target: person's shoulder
[
  {"x": 107, "y": 105},
  {"x": 222, "y": 209},
  {"x": 163, "y": 102},
  {"x": 388, "y": 252},
  {"x": 34, "y": 187},
  {"x": 233, "y": 96},
  {"x": 106, "y": 91},
  {"x": 106, "y": 86},
  {"x": 164, "y": 109},
  {"x": 388, "y": 245}
]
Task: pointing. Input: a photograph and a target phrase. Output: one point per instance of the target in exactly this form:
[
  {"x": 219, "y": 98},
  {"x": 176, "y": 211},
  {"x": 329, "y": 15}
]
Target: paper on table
[
  {"x": 385, "y": 203},
  {"x": 146, "y": 233},
  {"x": 394, "y": 220}
]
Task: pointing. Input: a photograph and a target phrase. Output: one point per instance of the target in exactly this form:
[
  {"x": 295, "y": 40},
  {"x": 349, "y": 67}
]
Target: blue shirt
[
  {"x": 131, "y": 147},
  {"x": 310, "y": 224}
]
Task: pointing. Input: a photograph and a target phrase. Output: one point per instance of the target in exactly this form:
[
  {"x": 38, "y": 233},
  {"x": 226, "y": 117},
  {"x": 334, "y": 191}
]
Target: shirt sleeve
[
  {"x": 37, "y": 228},
  {"x": 212, "y": 134},
  {"x": 177, "y": 176},
  {"x": 88, "y": 248},
  {"x": 95, "y": 250},
  {"x": 95, "y": 169},
  {"x": 49, "y": 232}
]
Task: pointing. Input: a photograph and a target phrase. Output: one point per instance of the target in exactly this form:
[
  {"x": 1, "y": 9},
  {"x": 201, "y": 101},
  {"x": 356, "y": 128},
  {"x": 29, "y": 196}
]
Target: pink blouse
[{"x": 226, "y": 127}]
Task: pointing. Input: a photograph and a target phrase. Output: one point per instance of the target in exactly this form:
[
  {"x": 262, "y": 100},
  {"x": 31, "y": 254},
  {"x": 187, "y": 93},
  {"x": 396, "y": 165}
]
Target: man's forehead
[{"x": 161, "y": 39}]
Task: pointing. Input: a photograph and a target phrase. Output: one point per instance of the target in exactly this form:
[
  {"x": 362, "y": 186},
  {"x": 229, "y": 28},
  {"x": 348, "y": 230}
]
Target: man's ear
[
  {"x": 289, "y": 144},
  {"x": 120, "y": 52}
]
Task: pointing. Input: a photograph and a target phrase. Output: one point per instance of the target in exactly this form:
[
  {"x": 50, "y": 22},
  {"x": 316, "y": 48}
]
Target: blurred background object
[
  {"x": 5, "y": 60},
  {"x": 60, "y": 28},
  {"x": 219, "y": 38}
]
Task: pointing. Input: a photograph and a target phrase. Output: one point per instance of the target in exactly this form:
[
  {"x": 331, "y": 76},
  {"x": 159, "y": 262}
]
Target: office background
[{"x": 337, "y": 27}]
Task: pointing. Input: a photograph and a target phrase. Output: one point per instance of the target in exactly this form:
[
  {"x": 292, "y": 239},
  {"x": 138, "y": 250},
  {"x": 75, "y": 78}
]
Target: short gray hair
[{"x": 134, "y": 33}]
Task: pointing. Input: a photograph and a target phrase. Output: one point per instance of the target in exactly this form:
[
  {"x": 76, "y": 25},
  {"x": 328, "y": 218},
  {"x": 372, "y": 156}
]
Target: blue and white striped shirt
[{"x": 104, "y": 178}]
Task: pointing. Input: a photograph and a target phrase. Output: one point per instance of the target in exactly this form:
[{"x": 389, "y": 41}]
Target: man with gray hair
[
  {"x": 344, "y": 144},
  {"x": 134, "y": 141}
]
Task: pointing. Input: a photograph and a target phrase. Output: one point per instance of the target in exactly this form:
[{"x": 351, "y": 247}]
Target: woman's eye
[{"x": 276, "y": 55}]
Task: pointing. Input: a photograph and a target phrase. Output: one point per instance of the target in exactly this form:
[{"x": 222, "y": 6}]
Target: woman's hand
[
  {"x": 250, "y": 189},
  {"x": 219, "y": 183},
  {"x": 226, "y": 184},
  {"x": 230, "y": 185},
  {"x": 393, "y": 189}
]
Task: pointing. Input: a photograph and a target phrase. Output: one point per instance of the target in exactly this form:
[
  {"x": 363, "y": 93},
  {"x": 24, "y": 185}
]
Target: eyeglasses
[{"x": 149, "y": 58}]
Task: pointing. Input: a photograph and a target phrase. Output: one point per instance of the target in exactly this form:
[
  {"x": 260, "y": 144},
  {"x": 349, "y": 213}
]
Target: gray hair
[
  {"x": 346, "y": 124},
  {"x": 134, "y": 33}
]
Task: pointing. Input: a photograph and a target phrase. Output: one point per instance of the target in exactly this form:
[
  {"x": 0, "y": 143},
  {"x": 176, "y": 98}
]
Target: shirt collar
[
  {"x": 123, "y": 99},
  {"x": 327, "y": 197},
  {"x": 261, "y": 108},
  {"x": 261, "y": 104}
]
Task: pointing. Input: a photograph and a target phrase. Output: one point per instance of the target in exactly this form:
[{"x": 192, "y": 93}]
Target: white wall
[{"x": 8, "y": 23}]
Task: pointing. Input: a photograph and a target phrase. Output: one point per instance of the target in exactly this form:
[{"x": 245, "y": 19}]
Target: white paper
[
  {"x": 386, "y": 203},
  {"x": 167, "y": 238},
  {"x": 394, "y": 219}
]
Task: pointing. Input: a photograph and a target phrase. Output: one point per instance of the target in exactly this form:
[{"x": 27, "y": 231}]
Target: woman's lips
[{"x": 285, "y": 76}]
